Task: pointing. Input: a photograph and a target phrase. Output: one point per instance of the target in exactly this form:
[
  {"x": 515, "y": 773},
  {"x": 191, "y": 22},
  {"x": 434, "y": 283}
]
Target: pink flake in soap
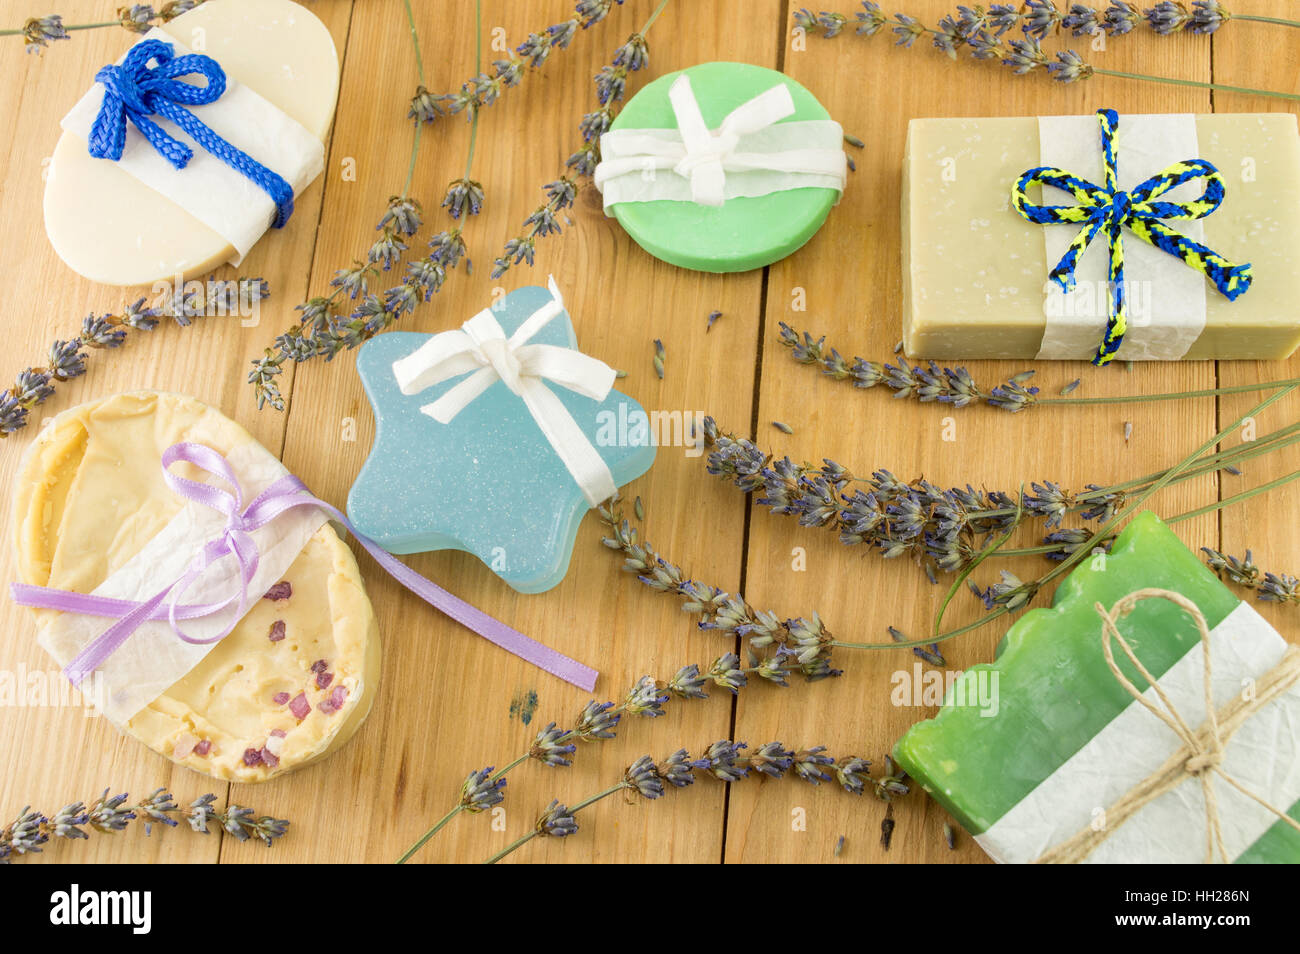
[
  {"x": 319, "y": 666},
  {"x": 277, "y": 631},
  {"x": 184, "y": 746},
  {"x": 280, "y": 698},
  {"x": 324, "y": 679},
  {"x": 204, "y": 747},
  {"x": 280, "y": 591},
  {"x": 252, "y": 757},
  {"x": 278, "y": 733},
  {"x": 300, "y": 706},
  {"x": 269, "y": 758},
  {"x": 335, "y": 701}
]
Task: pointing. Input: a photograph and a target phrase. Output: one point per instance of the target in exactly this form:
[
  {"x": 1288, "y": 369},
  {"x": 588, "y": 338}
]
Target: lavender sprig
[
  {"x": 1270, "y": 587},
  {"x": 1012, "y": 593},
  {"x": 31, "y": 831},
  {"x": 597, "y": 722},
  {"x": 324, "y": 329},
  {"x": 981, "y": 31},
  {"x": 39, "y": 32},
  {"x": 66, "y": 360},
  {"x": 611, "y": 87},
  {"x": 776, "y": 649},
  {"x": 484, "y": 88},
  {"x": 725, "y": 761},
  {"x": 955, "y": 387},
  {"x": 943, "y": 530}
]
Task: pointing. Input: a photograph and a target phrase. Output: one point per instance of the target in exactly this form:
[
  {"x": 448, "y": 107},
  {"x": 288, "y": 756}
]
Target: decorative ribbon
[
  {"x": 1112, "y": 209},
  {"x": 1201, "y": 753},
  {"x": 481, "y": 346},
  {"x": 704, "y": 157},
  {"x": 236, "y": 542},
  {"x": 145, "y": 84}
]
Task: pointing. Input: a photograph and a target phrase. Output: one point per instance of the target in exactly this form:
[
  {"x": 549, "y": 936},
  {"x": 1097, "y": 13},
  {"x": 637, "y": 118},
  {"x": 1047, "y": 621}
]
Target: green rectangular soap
[{"x": 1028, "y": 772}]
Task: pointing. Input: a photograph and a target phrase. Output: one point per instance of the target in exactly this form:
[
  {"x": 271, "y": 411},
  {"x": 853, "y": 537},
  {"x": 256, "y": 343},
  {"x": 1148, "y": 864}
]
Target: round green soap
[{"x": 743, "y": 233}]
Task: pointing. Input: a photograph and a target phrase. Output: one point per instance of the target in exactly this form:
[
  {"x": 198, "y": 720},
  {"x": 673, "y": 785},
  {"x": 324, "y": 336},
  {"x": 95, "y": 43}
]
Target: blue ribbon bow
[
  {"x": 1107, "y": 208},
  {"x": 146, "y": 84}
]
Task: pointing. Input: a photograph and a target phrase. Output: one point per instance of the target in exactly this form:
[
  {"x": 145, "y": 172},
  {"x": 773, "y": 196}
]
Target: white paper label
[
  {"x": 226, "y": 201},
  {"x": 1165, "y": 298},
  {"x": 1263, "y": 756},
  {"x": 154, "y": 658}
]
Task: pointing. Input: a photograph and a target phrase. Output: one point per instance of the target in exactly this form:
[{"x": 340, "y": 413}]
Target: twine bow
[
  {"x": 1201, "y": 754},
  {"x": 146, "y": 84},
  {"x": 704, "y": 156},
  {"x": 1112, "y": 209},
  {"x": 236, "y": 541},
  {"x": 480, "y": 346}
]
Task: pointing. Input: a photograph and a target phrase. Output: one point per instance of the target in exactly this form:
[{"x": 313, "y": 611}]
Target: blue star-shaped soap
[{"x": 487, "y": 482}]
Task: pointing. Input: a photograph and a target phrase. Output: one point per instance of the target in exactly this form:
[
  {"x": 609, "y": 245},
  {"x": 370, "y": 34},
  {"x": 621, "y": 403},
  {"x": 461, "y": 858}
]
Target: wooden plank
[
  {"x": 444, "y": 705},
  {"x": 850, "y": 273},
  {"x": 59, "y": 754},
  {"x": 1262, "y": 56}
]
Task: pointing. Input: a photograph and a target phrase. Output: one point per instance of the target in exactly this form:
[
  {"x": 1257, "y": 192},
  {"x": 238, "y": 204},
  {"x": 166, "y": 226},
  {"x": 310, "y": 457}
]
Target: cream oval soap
[
  {"x": 112, "y": 228},
  {"x": 294, "y": 679}
]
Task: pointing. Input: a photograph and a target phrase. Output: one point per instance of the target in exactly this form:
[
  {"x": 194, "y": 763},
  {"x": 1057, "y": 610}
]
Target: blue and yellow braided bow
[{"x": 1113, "y": 209}]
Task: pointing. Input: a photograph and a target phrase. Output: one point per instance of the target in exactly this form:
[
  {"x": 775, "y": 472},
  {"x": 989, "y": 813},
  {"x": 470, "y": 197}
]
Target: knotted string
[
  {"x": 146, "y": 84},
  {"x": 236, "y": 541},
  {"x": 1112, "y": 209},
  {"x": 1201, "y": 753}
]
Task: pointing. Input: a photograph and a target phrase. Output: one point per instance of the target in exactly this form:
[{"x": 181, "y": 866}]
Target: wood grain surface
[{"x": 445, "y": 703}]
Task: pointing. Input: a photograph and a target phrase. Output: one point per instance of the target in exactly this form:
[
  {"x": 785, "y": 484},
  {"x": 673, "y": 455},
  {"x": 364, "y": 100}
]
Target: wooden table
[{"x": 448, "y": 700}]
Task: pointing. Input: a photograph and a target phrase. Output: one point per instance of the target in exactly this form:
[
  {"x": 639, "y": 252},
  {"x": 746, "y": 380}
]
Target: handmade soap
[
  {"x": 747, "y": 230},
  {"x": 1065, "y": 739},
  {"x": 295, "y": 678},
  {"x": 975, "y": 272},
  {"x": 487, "y": 482},
  {"x": 109, "y": 226}
]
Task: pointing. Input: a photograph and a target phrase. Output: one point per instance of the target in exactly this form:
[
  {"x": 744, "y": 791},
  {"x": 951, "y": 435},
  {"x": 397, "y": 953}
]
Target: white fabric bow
[
  {"x": 480, "y": 346},
  {"x": 704, "y": 156}
]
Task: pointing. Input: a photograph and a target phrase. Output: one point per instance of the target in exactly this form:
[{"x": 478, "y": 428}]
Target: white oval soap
[
  {"x": 112, "y": 228},
  {"x": 295, "y": 678}
]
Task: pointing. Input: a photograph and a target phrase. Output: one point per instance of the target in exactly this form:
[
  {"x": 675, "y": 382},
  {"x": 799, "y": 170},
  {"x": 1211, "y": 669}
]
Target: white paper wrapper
[
  {"x": 154, "y": 658},
  {"x": 227, "y": 202},
  {"x": 1263, "y": 755},
  {"x": 1165, "y": 298},
  {"x": 642, "y": 182}
]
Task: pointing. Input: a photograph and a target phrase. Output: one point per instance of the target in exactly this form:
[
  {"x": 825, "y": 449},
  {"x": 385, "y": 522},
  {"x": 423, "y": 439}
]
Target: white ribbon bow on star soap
[
  {"x": 480, "y": 346},
  {"x": 752, "y": 153}
]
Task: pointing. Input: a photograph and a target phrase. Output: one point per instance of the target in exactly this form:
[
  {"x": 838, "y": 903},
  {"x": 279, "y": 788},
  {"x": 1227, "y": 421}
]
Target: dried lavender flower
[
  {"x": 30, "y": 831},
  {"x": 557, "y": 820},
  {"x": 41, "y": 31},
  {"x": 552, "y": 746},
  {"x": 642, "y": 776},
  {"x": 480, "y": 791}
]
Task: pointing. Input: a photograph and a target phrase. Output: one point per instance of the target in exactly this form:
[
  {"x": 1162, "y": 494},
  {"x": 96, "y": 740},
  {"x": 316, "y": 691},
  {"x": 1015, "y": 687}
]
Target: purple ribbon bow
[{"x": 236, "y": 541}]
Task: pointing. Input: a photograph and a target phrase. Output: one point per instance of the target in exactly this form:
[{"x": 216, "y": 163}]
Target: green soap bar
[
  {"x": 743, "y": 233},
  {"x": 1055, "y": 691}
]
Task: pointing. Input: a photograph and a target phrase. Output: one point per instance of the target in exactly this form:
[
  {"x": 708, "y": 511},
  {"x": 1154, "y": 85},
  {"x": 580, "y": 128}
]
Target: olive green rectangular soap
[{"x": 974, "y": 270}]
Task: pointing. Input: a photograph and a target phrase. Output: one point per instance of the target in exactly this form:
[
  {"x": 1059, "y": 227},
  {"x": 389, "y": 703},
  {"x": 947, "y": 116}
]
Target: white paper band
[
  {"x": 481, "y": 349},
  {"x": 752, "y": 153},
  {"x": 153, "y": 658},
  {"x": 1164, "y": 297},
  {"x": 222, "y": 199},
  {"x": 1263, "y": 755}
]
